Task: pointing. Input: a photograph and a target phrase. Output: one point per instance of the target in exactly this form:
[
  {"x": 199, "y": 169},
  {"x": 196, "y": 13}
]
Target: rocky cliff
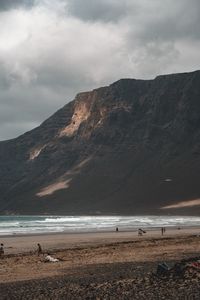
[{"x": 129, "y": 148}]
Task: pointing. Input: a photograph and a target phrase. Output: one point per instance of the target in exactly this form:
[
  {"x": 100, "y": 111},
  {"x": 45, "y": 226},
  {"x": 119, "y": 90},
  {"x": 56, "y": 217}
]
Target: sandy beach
[
  {"x": 111, "y": 265},
  {"x": 16, "y": 244}
]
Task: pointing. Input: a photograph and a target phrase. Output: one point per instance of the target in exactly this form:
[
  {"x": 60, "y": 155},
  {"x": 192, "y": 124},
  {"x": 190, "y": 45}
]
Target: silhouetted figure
[
  {"x": 1, "y": 250},
  {"x": 162, "y": 230},
  {"x": 39, "y": 250},
  {"x": 117, "y": 229},
  {"x": 141, "y": 231}
]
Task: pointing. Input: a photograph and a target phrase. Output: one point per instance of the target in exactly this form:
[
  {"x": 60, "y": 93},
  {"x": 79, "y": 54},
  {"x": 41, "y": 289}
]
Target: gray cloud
[
  {"x": 104, "y": 10},
  {"x": 54, "y": 49},
  {"x": 9, "y": 4},
  {"x": 170, "y": 20}
]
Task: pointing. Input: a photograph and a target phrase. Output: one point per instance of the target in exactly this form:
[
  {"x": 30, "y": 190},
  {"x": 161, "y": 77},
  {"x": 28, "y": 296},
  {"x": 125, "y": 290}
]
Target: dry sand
[
  {"x": 26, "y": 243},
  {"x": 112, "y": 265}
]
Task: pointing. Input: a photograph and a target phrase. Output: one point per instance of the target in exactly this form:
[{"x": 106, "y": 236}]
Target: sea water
[{"x": 11, "y": 225}]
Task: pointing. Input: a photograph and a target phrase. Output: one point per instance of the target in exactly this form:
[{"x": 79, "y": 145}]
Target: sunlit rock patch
[
  {"x": 81, "y": 114},
  {"x": 36, "y": 152},
  {"x": 181, "y": 204},
  {"x": 50, "y": 189}
]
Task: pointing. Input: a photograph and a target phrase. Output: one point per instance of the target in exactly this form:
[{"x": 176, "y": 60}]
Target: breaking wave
[{"x": 10, "y": 225}]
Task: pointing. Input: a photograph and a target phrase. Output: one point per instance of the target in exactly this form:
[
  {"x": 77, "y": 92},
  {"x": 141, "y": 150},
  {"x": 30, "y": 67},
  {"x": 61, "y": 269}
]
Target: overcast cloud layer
[{"x": 52, "y": 49}]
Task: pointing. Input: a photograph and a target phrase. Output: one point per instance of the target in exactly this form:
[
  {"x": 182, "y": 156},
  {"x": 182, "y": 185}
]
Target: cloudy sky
[{"x": 52, "y": 49}]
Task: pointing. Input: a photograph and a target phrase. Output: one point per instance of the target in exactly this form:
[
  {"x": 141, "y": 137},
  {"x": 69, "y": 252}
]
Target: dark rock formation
[{"x": 130, "y": 148}]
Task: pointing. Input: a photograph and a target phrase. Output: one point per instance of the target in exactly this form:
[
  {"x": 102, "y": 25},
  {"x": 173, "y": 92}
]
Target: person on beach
[
  {"x": 162, "y": 230},
  {"x": 141, "y": 231},
  {"x": 1, "y": 250},
  {"x": 39, "y": 250},
  {"x": 49, "y": 258},
  {"x": 117, "y": 229}
]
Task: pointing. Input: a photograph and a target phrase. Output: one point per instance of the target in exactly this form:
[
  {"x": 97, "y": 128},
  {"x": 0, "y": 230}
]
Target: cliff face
[{"x": 130, "y": 148}]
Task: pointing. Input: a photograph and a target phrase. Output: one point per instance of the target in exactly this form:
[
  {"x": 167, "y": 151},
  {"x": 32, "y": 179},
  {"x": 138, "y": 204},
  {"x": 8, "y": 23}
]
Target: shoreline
[
  {"x": 169, "y": 228},
  {"x": 20, "y": 225}
]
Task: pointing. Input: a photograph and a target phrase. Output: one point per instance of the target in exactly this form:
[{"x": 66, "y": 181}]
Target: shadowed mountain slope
[{"x": 129, "y": 148}]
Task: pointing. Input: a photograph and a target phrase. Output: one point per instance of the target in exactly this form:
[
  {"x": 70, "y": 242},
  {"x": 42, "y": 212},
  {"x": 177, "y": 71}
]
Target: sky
[{"x": 50, "y": 50}]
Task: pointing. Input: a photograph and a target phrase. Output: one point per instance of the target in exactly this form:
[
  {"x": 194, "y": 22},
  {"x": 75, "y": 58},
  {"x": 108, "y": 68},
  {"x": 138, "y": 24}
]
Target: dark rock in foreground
[{"x": 111, "y": 281}]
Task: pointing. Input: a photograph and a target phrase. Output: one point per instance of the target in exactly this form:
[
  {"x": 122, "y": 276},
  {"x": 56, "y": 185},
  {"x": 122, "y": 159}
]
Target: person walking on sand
[
  {"x": 162, "y": 230},
  {"x": 1, "y": 250},
  {"x": 39, "y": 250}
]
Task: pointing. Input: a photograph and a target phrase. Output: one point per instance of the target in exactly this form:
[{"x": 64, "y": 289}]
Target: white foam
[{"x": 39, "y": 224}]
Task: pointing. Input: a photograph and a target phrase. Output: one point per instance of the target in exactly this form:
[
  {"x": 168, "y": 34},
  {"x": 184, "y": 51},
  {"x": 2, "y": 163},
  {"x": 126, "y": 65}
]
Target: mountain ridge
[{"x": 110, "y": 150}]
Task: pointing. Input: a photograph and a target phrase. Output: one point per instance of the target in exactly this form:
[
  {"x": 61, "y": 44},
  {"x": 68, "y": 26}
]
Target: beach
[
  {"x": 104, "y": 265},
  {"x": 24, "y": 243}
]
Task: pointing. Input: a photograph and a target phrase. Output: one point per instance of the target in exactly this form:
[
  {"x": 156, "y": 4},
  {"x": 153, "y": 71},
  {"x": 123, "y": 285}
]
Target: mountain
[{"x": 129, "y": 148}]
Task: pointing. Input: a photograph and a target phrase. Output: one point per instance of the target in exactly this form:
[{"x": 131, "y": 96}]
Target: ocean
[{"x": 11, "y": 225}]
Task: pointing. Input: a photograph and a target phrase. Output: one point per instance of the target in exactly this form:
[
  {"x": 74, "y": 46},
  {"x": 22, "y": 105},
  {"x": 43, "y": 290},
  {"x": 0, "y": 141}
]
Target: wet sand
[{"x": 112, "y": 265}]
